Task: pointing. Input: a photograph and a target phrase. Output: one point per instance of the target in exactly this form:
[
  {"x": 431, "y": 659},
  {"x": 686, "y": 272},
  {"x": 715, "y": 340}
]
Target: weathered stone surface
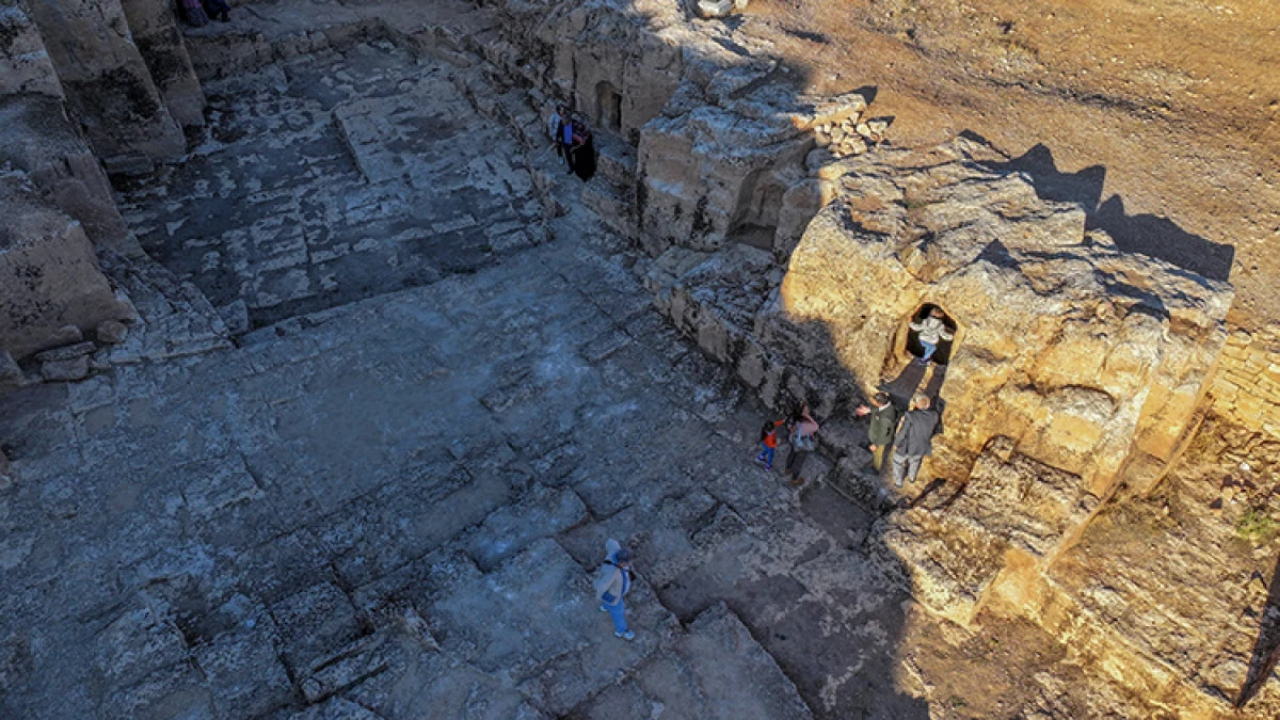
[
  {"x": 717, "y": 671},
  {"x": 65, "y": 370},
  {"x": 153, "y": 25},
  {"x": 314, "y": 624},
  {"x": 1013, "y": 515},
  {"x": 107, "y": 84},
  {"x": 10, "y": 373},
  {"x": 244, "y": 669},
  {"x": 1089, "y": 351},
  {"x": 66, "y": 352},
  {"x": 111, "y": 332},
  {"x": 25, "y": 66},
  {"x": 49, "y": 274}
]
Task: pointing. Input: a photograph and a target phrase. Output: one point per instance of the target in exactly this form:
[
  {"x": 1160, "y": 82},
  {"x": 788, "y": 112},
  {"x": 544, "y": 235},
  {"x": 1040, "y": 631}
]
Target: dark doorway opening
[
  {"x": 942, "y": 355},
  {"x": 755, "y": 217},
  {"x": 608, "y": 107}
]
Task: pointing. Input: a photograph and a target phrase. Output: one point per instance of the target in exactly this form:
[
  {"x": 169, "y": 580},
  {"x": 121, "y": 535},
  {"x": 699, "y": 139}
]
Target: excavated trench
[{"x": 449, "y": 385}]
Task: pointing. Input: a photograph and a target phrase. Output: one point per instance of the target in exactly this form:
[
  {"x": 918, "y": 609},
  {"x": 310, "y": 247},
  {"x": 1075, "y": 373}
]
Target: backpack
[{"x": 803, "y": 443}]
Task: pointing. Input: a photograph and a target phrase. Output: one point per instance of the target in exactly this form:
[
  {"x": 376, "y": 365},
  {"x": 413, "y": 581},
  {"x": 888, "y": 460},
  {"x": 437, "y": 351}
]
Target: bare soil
[{"x": 1162, "y": 119}]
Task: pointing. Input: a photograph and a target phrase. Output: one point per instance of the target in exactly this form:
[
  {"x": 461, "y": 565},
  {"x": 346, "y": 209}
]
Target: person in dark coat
[
  {"x": 914, "y": 440},
  {"x": 583, "y": 151},
  {"x": 218, "y": 10},
  {"x": 194, "y": 13},
  {"x": 884, "y": 420}
]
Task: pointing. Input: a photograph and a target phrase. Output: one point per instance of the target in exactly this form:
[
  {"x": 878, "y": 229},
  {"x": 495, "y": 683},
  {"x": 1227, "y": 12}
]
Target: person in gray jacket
[
  {"x": 914, "y": 440},
  {"x": 884, "y": 420},
  {"x": 613, "y": 584}
]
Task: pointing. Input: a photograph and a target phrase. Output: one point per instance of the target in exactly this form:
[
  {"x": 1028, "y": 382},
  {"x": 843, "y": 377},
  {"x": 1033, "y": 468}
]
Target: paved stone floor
[
  {"x": 334, "y": 177},
  {"x": 392, "y": 507}
]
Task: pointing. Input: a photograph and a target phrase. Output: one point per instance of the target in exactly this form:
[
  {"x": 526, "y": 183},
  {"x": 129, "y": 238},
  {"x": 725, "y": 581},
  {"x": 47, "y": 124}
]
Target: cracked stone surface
[
  {"x": 335, "y": 177},
  {"x": 391, "y": 502}
]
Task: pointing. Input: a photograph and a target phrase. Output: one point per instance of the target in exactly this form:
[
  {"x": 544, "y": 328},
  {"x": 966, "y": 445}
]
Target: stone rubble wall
[{"x": 1247, "y": 386}]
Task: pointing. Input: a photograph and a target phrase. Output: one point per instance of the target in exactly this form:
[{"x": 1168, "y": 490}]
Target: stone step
[
  {"x": 174, "y": 317},
  {"x": 614, "y": 204},
  {"x": 717, "y": 670},
  {"x": 616, "y": 159}
]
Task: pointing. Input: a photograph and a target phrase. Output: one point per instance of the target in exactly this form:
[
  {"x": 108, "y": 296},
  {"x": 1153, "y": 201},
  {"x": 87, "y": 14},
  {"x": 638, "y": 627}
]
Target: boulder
[{"x": 713, "y": 8}]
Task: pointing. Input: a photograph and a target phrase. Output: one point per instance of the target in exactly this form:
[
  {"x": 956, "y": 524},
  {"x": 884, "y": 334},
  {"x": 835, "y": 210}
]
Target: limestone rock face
[
  {"x": 1013, "y": 512},
  {"x": 155, "y": 31},
  {"x": 49, "y": 277},
  {"x": 107, "y": 83},
  {"x": 25, "y": 66},
  {"x": 1085, "y": 356},
  {"x": 38, "y": 137}
]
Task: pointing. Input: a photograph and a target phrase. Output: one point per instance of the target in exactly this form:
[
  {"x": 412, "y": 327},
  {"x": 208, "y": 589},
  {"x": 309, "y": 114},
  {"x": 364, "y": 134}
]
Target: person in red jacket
[{"x": 769, "y": 443}]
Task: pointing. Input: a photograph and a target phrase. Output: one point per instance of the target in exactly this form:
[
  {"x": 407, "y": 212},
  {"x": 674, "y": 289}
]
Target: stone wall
[
  {"x": 1247, "y": 387},
  {"x": 108, "y": 86},
  {"x": 81, "y": 82}
]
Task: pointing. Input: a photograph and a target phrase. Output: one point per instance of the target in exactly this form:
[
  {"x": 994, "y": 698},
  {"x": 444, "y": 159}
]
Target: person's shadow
[{"x": 1266, "y": 650}]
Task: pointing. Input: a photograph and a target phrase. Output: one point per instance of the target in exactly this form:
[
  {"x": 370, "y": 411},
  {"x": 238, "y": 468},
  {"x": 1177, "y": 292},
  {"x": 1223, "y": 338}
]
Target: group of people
[
  {"x": 198, "y": 12},
  {"x": 910, "y": 436},
  {"x": 573, "y": 142}
]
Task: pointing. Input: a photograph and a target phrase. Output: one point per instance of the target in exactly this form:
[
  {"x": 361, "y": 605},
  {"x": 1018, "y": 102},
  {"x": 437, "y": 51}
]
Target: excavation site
[{"x": 613, "y": 359}]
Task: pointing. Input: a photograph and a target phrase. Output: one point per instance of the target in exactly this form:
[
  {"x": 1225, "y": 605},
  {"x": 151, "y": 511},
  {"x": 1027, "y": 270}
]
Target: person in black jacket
[
  {"x": 884, "y": 420},
  {"x": 914, "y": 441}
]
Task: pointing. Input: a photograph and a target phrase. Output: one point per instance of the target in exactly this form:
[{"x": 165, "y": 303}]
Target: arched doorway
[{"x": 942, "y": 355}]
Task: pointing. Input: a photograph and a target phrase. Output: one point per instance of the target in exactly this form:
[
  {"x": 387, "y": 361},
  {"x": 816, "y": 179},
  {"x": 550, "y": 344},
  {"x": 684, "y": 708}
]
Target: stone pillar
[
  {"x": 155, "y": 31},
  {"x": 108, "y": 86}
]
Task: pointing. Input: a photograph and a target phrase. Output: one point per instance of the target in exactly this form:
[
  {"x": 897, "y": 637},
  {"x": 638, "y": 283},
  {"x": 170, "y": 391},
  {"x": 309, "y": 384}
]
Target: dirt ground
[{"x": 1163, "y": 119}]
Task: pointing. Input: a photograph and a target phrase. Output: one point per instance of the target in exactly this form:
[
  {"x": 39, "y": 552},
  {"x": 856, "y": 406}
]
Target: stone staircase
[{"x": 611, "y": 193}]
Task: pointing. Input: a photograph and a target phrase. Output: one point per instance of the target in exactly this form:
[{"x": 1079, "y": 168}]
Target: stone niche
[{"x": 1091, "y": 360}]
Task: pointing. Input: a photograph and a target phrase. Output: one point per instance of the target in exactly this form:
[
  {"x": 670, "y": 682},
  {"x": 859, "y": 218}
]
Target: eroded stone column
[
  {"x": 155, "y": 32},
  {"x": 108, "y": 86}
]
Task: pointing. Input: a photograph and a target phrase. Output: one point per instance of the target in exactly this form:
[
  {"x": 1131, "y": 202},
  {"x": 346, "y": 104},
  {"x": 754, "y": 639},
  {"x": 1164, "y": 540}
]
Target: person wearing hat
[{"x": 613, "y": 584}]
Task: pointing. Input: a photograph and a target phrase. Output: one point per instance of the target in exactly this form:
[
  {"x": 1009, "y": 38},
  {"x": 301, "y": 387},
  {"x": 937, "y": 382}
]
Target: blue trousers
[
  {"x": 766, "y": 455},
  {"x": 929, "y": 350},
  {"x": 618, "y": 613}
]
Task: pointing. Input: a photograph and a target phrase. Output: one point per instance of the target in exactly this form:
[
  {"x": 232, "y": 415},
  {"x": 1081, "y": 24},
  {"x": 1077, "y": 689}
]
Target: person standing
[
  {"x": 555, "y": 128},
  {"x": 914, "y": 441},
  {"x": 804, "y": 430},
  {"x": 931, "y": 330},
  {"x": 768, "y": 443},
  {"x": 218, "y": 10},
  {"x": 613, "y": 584},
  {"x": 566, "y": 142},
  {"x": 884, "y": 420},
  {"x": 583, "y": 150}
]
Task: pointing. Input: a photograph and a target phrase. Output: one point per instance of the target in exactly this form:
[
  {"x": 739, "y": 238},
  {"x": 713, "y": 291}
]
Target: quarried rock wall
[
  {"x": 108, "y": 85},
  {"x": 54, "y": 291}
]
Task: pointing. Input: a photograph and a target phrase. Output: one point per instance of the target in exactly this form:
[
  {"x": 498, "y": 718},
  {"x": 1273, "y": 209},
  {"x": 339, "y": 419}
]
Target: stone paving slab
[{"x": 456, "y": 450}]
